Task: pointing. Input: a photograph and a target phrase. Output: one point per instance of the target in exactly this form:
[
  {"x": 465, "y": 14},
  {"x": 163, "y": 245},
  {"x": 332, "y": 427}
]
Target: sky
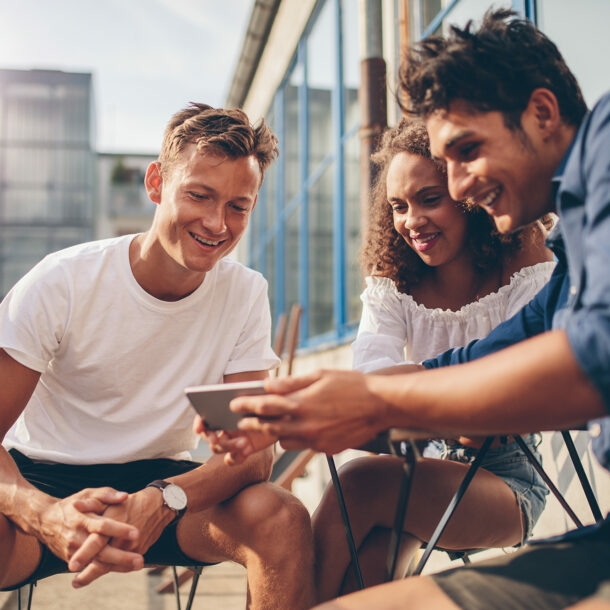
[{"x": 149, "y": 58}]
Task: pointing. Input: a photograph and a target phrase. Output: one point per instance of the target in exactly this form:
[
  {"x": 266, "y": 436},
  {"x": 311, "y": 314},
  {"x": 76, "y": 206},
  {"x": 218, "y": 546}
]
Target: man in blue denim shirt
[{"x": 508, "y": 118}]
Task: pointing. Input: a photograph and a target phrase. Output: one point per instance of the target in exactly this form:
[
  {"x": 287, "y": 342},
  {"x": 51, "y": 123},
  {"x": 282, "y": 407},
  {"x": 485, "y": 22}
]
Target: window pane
[
  {"x": 352, "y": 228},
  {"x": 351, "y": 62},
  {"x": 321, "y": 254},
  {"x": 291, "y": 150}
]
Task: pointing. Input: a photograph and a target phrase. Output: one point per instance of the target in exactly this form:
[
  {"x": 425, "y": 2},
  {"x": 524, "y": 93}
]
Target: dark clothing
[
  {"x": 62, "y": 480},
  {"x": 572, "y": 569}
]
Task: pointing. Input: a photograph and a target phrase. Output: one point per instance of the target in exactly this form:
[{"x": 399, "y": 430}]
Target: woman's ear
[{"x": 154, "y": 182}]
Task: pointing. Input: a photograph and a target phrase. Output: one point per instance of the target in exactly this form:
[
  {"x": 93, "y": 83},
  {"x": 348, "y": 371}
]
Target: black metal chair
[
  {"x": 404, "y": 446},
  {"x": 26, "y": 593}
]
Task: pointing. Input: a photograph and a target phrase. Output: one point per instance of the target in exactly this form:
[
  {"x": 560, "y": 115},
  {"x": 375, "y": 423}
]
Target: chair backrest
[{"x": 286, "y": 338}]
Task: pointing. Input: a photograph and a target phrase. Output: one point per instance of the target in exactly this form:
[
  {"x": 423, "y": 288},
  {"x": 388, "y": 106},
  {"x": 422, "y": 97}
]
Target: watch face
[{"x": 174, "y": 497}]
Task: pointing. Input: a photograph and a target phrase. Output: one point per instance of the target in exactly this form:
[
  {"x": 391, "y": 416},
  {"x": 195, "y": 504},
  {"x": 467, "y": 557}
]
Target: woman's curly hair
[{"x": 386, "y": 253}]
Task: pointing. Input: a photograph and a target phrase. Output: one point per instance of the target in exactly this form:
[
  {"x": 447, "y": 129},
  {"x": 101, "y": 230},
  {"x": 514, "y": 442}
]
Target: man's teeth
[
  {"x": 487, "y": 201},
  {"x": 205, "y": 242}
]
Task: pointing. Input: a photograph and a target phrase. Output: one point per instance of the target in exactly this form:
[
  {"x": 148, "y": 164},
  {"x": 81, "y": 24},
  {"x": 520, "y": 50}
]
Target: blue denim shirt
[{"x": 577, "y": 297}]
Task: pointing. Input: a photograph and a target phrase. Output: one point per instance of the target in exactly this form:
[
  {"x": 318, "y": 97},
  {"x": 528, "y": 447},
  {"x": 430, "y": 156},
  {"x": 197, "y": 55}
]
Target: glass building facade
[
  {"x": 305, "y": 234},
  {"x": 46, "y": 167}
]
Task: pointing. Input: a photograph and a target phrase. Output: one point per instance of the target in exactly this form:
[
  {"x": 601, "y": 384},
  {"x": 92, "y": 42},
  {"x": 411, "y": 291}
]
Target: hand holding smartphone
[{"x": 212, "y": 402}]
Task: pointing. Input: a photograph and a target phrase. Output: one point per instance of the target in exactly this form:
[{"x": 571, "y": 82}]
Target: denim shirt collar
[{"x": 554, "y": 240}]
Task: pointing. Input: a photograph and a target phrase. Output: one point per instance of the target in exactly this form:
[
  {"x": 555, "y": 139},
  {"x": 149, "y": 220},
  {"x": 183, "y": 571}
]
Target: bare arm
[
  {"x": 206, "y": 486},
  {"x": 534, "y": 385},
  {"x": 61, "y": 524}
]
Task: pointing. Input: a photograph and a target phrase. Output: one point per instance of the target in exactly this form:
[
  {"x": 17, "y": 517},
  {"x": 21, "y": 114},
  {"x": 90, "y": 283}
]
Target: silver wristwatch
[{"x": 173, "y": 496}]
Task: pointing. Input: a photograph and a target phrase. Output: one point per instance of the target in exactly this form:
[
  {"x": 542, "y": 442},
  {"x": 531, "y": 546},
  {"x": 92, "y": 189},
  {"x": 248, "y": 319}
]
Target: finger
[
  {"x": 234, "y": 459},
  {"x": 265, "y": 405},
  {"x": 198, "y": 426},
  {"x": 103, "y": 494},
  {"x": 112, "y": 528},
  {"x": 111, "y": 559},
  {"x": 286, "y": 385},
  {"x": 98, "y": 499},
  {"x": 89, "y": 574},
  {"x": 294, "y": 443},
  {"x": 90, "y": 505},
  {"x": 273, "y": 429},
  {"x": 93, "y": 544}
]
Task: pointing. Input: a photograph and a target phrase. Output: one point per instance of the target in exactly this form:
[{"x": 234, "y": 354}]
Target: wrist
[
  {"x": 171, "y": 497},
  {"x": 28, "y": 510},
  {"x": 381, "y": 411}
]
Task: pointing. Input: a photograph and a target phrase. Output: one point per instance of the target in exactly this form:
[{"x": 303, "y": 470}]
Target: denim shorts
[{"x": 508, "y": 462}]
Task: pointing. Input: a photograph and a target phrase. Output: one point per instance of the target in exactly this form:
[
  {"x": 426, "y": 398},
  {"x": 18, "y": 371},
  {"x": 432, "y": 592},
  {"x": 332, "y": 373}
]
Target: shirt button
[
  {"x": 595, "y": 430},
  {"x": 572, "y": 290}
]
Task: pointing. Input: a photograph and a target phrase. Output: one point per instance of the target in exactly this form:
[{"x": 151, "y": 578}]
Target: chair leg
[
  {"x": 345, "y": 518},
  {"x": 545, "y": 477},
  {"x": 580, "y": 471},
  {"x": 459, "y": 494},
  {"x": 409, "y": 459},
  {"x": 176, "y": 587},
  {"x": 193, "y": 590},
  {"x": 30, "y": 595}
]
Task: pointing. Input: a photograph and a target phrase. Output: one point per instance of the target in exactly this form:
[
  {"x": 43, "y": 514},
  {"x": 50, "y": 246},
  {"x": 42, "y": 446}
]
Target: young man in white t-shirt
[{"x": 97, "y": 344}]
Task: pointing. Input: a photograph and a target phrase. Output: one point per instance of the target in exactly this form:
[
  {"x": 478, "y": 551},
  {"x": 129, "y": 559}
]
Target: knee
[
  {"x": 276, "y": 518},
  {"x": 353, "y": 471},
  {"x": 367, "y": 475}
]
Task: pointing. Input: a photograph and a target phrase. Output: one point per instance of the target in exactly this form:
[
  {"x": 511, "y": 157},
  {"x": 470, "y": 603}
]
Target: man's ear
[
  {"x": 153, "y": 182},
  {"x": 543, "y": 110}
]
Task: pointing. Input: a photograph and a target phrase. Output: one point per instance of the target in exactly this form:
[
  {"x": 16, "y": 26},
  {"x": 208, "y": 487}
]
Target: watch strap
[{"x": 161, "y": 485}]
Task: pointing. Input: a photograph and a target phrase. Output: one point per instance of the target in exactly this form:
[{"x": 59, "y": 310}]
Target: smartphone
[{"x": 212, "y": 402}]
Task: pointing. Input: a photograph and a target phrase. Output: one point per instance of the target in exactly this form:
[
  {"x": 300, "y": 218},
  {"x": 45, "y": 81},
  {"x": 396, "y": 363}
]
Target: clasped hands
[{"x": 100, "y": 530}]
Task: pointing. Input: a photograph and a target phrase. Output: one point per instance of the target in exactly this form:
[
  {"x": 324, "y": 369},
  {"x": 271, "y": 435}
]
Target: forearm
[
  {"x": 400, "y": 369},
  {"x": 535, "y": 385},
  {"x": 215, "y": 481},
  {"x": 20, "y": 501}
]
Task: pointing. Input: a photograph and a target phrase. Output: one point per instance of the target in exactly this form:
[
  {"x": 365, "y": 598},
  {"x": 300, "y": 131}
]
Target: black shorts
[
  {"x": 62, "y": 480},
  {"x": 545, "y": 575}
]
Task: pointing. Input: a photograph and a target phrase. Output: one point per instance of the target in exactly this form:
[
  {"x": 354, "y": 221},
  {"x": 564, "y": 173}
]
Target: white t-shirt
[
  {"x": 114, "y": 360},
  {"x": 394, "y": 328}
]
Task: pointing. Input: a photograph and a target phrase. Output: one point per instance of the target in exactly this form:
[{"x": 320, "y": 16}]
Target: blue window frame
[{"x": 305, "y": 234}]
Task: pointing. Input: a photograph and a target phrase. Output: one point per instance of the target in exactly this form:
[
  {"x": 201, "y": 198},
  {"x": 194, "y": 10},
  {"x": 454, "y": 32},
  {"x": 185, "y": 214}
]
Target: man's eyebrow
[
  {"x": 212, "y": 191},
  {"x": 200, "y": 186},
  {"x": 452, "y": 142}
]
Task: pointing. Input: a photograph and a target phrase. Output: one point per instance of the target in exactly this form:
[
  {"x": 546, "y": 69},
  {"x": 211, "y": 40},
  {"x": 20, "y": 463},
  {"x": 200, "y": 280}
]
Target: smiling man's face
[
  {"x": 205, "y": 201},
  {"x": 505, "y": 171}
]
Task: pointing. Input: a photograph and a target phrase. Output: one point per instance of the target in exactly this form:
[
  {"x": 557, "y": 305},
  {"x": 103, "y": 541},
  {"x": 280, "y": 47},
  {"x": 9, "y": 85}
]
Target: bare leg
[
  {"x": 372, "y": 556},
  {"x": 19, "y": 554},
  {"x": 417, "y": 593},
  {"x": 487, "y": 517},
  {"x": 267, "y": 530}
]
